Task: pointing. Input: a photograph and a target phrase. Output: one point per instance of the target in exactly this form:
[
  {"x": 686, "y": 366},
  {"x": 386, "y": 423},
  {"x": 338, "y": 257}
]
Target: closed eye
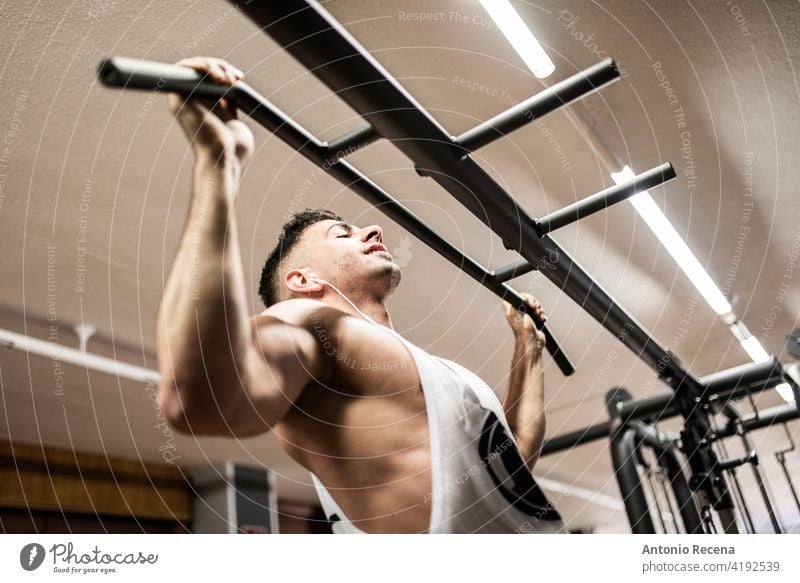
[{"x": 340, "y": 236}]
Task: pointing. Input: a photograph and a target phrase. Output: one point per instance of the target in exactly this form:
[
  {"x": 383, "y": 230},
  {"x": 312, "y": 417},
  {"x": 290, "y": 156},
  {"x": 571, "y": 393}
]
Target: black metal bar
[
  {"x": 151, "y": 75},
  {"x": 147, "y": 75},
  {"x": 723, "y": 386},
  {"x": 307, "y": 32},
  {"x": 738, "y": 380},
  {"x": 352, "y": 141},
  {"x": 736, "y": 488},
  {"x": 667, "y": 458},
  {"x": 753, "y": 458},
  {"x": 666, "y": 488},
  {"x": 576, "y": 438},
  {"x": 605, "y": 198},
  {"x": 765, "y": 418},
  {"x": 659, "y": 406},
  {"x": 789, "y": 480},
  {"x": 507, "y": 272},
  {"x": 780, "y": 457},
  {"x": 570, "y": 89},
  {"x": 623, "y": 456}
]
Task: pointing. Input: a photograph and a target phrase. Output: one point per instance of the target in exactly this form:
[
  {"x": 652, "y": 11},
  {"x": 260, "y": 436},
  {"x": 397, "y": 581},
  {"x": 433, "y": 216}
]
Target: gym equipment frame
[{"x": 306, "y": 31}]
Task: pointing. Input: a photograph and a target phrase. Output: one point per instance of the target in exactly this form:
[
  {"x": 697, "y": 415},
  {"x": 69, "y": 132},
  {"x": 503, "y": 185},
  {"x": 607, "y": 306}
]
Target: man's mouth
[{"x": 375, "y": 247}]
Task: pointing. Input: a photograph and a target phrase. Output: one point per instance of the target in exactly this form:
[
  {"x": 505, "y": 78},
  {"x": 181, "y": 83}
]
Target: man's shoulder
[{"x": 303, "y": 313}]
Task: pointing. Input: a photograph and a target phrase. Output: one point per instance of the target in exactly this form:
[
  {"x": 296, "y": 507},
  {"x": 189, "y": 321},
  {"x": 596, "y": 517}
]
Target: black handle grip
[
  {"x": 140, "y": 74},
  {"x": 559, "y": 356}
]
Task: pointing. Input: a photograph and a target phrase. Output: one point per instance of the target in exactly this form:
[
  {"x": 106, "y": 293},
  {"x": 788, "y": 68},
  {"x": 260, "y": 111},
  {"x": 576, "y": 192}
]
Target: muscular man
[{"x": 396, "y": 440}]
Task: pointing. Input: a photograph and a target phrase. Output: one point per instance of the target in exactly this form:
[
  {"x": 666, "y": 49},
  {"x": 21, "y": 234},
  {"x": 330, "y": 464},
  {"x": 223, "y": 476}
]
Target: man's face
[{"x": 350, "y": 257}]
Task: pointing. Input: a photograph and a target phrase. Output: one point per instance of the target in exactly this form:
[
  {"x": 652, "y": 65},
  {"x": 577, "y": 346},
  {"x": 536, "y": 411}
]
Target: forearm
[
  {"x": 524, "y": 400},
  {"x": 203, "y": 327}
]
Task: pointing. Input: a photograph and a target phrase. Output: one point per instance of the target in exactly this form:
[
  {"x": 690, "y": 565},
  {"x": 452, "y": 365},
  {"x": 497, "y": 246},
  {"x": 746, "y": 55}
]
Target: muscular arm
[
  {"x": 524, "y": 400},
  {"x": 222, "y": 372}
]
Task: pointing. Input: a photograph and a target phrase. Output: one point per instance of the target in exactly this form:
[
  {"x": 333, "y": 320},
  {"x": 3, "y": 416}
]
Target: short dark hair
[{"x": 291, "y": 232}]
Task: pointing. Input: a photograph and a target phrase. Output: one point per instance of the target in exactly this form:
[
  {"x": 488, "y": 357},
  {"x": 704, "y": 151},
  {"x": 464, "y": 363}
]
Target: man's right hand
[{"x": 212, "y": 127}]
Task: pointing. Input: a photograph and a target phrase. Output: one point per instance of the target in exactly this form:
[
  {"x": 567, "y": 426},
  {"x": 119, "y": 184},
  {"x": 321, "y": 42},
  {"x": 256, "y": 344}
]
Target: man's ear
[{"x": 299, "y": 282}]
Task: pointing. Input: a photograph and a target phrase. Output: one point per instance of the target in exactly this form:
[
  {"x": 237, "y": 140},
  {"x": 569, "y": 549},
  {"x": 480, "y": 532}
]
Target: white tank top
[{"x": 480, "y": 481}]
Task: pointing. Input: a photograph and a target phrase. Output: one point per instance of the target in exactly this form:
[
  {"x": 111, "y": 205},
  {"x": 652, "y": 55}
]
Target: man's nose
[{"x": 372, "y": 232}]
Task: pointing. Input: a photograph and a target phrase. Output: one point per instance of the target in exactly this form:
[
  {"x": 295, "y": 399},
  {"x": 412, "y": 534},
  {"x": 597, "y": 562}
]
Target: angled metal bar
[
  {"x": 576, "y": 438},
  {"x": 311, "y": 35},
  {"x": 562, "y": 93},
  {"x": 352, "y": 141},
  {"x": 605, "y": 198},
  {"x": 507, "y": 272}
]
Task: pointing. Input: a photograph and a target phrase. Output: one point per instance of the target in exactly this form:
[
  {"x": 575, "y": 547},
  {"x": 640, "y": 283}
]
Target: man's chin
[{"x": 396, "y": 276}]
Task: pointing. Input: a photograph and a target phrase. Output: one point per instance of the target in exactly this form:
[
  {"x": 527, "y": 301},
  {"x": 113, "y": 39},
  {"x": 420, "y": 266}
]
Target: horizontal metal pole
[
  {"x": 605, "y": 198},
  {"x": 728, "y": 384},
  {"x": 576, "y": 438},
  {"x": 88, "y": 361},
  {"x": 352, "y": 141},
  {"x": 765, "y": 418},
  {"x": 311, "y": 35},
  {"x": 520, "y": 267},
  {"x": 146, "y": 75},
  {"x": 151, "y": 75},
  {"x": 751, "y": 376},
  {"x": 570, "y": 89}
]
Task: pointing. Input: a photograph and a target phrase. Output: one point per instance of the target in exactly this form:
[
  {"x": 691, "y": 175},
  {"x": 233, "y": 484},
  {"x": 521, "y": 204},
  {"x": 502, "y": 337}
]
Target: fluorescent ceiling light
[
  {"x": 520, "y": 36},
  {"x": 672, "y": 241},
  {"x": 757, "y": 353},
  {"x": 754, "y": 349},
  {"x": 675, "y": 245}
]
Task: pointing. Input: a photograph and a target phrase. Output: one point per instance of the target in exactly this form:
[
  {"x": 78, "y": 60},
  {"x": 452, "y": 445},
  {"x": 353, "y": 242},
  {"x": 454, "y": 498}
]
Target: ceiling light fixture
[{"x": 520, "y": 37}]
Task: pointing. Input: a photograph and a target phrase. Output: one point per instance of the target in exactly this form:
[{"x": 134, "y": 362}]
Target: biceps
[{"x": 280, "y": 365}]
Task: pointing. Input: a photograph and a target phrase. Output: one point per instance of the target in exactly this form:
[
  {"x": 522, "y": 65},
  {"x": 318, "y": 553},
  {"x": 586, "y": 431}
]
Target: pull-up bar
[
  {"x": 146, "y": 75},
  {"x": 311, "y": 35},
  {"x": 570, "y": 89}
]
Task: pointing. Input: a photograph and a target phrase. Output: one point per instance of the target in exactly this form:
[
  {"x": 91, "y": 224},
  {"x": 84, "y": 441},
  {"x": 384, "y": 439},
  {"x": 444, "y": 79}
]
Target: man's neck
[{"x": 374, "y": 308}]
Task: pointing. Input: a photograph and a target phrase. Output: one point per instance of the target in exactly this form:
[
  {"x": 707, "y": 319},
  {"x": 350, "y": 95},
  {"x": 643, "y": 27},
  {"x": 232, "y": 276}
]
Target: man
[{"x": 396, "y": 440}]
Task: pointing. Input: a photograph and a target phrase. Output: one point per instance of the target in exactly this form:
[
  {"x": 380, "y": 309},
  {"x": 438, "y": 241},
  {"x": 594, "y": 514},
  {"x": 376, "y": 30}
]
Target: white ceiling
[{"x": 69, "y": 140}]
